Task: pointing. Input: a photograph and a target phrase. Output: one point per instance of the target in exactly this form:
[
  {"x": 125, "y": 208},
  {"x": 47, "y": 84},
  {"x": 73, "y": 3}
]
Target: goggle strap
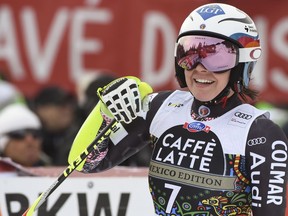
[{"x": 249, "y": 54}]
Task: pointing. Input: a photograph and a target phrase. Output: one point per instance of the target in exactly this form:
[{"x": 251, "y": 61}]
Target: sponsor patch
[
  {"x": 176, "y": 105},
  {"x": 118, "y": 133},
  {"x": 203, "y": 111},
  {"x": 210, "y": 11},
  {"x": 257, "y": 141},
  {"x": 196, "y": 127},
  {"x": 240, "y": 118}
]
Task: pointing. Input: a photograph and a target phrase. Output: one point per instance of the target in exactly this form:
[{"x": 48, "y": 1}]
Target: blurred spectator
[
  {"x": 56, "y": 109},
  {"x": 20, "y": 136},
  {"x": 9, "y": 94},
  {"x": 90, "y": 98},
  {"x": 82, "y": 84}
]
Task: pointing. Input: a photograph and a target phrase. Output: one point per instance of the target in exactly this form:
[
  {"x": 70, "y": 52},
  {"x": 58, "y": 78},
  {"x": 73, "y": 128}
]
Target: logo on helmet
[
  {"x": 202, "y": 26},
  {"x": 250, "y": 28},
  {"x": 255, "y": 53},
  {"x": 210, "y": 11}
]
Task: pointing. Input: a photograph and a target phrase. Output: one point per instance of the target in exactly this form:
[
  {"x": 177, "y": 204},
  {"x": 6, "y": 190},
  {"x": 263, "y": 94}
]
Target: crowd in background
[{"x": 39, "y": 131}]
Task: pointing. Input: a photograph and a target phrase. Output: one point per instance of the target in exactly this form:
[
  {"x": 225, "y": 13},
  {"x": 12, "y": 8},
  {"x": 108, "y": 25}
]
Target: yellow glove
[{"x": 123, "y": 97}]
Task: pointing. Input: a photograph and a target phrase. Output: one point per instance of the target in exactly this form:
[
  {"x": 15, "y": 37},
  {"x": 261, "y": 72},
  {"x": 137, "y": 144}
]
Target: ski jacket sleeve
[
  {"x": 124, "y": 141},
  {"x": 266, "y": 153}
]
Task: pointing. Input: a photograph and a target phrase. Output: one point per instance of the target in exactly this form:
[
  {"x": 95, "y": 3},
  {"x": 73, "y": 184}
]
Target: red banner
[{"x": 59, "y": 42}]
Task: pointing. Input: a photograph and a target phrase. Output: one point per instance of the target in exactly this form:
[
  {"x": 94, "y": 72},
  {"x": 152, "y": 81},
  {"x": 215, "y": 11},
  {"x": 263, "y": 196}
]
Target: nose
[
  {"x": 201, "y": 68},
  {"x": 31, "y": 137}
]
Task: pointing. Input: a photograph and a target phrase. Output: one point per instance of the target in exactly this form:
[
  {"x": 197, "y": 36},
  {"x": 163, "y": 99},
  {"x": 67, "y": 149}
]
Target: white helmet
[
  {"x": 230, "y": 24},
  {"x": 16, "y": 117}
]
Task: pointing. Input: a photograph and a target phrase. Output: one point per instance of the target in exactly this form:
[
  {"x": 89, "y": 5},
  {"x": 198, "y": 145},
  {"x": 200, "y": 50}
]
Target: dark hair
[
  {"x": 246, "y": 94},
  {"x": 91, "y": 91},
  {"x": 54, "y": 95},
  {"x": 249, "y": 95}
]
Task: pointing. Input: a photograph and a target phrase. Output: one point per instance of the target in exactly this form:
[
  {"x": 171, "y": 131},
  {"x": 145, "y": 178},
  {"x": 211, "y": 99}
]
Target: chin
[{"x": 204, "y": 99}]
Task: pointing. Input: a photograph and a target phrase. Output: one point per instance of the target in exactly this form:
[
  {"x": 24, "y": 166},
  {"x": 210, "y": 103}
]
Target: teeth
[{"x": 203, "y": 81}]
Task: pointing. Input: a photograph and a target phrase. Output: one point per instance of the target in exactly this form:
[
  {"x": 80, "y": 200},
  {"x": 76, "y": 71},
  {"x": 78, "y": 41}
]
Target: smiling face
[{"x": 205, "y": 85}]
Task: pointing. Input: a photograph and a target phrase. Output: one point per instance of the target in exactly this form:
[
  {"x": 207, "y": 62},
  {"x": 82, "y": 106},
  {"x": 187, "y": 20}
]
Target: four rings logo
[
  {"x": 256, "y": 141},
  {"x": 243, "y": 115}
]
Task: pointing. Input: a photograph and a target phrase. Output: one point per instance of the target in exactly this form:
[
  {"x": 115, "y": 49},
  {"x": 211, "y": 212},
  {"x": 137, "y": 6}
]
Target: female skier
[{"x": 214, "y": 153}]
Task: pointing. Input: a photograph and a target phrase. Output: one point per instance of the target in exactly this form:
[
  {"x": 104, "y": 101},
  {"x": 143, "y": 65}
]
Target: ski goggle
[
  {"x": 21, "y": 134},
  {"x": 215, "y": 54}
]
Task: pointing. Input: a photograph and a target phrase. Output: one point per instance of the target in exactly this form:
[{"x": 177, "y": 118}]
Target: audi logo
[
  {"x": 256, "y": 141},
  {"x": 243, "y": 115}
]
